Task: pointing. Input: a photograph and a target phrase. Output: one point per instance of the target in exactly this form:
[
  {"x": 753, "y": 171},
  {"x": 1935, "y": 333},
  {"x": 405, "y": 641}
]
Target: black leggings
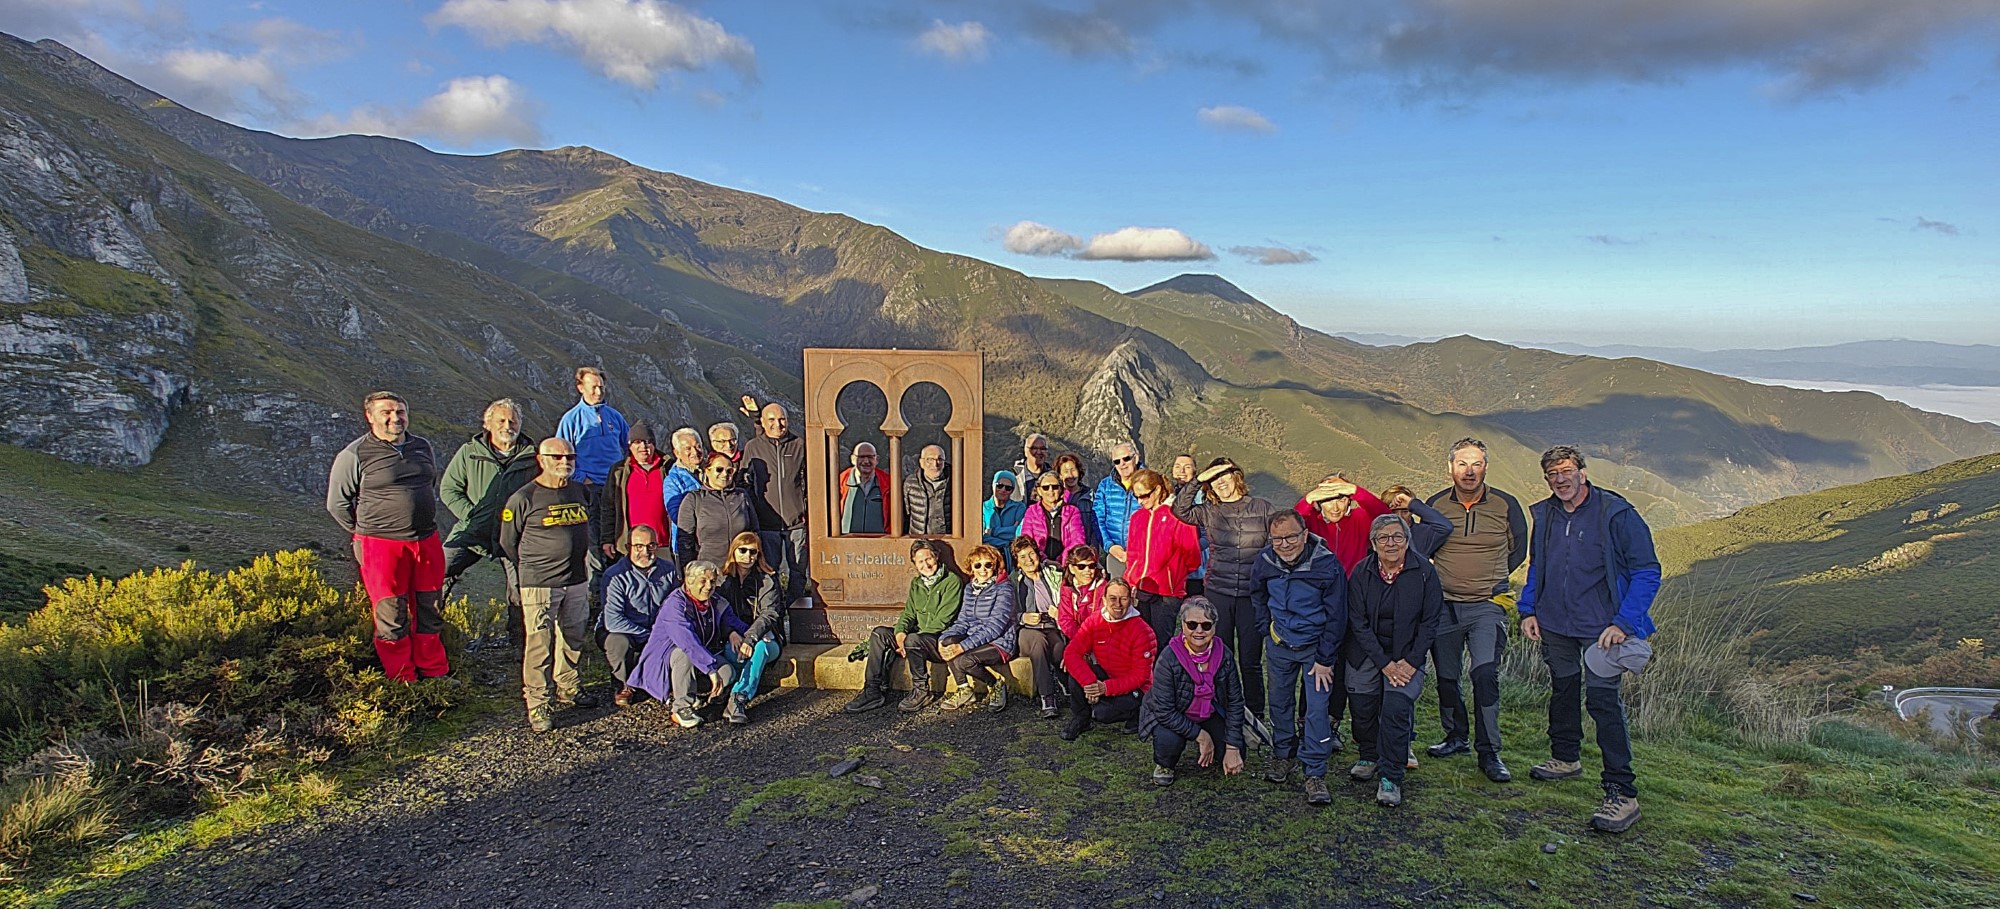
[{"x": 1236, "y": 616}]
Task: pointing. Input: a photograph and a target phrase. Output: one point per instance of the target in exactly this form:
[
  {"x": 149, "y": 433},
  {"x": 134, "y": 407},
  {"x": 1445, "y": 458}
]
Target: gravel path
[{"x": 623, "y": 808}]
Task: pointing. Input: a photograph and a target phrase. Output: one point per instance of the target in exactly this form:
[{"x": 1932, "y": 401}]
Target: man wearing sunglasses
[
  {"x": 1115, "y": 504},
  {"x": 545, "y": 530}
]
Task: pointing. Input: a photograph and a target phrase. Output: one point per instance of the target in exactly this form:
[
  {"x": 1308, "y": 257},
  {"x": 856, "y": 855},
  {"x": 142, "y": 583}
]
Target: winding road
[{"x": 1952, "y": 710}]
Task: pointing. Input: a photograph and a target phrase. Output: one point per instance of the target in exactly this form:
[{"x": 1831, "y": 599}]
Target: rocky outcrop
[
  {"x": 1129, "y": 391},
  {"x": 95, "y": 389}
]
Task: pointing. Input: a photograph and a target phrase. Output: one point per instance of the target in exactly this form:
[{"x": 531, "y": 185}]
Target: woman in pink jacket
[
  {"x": 1160, "y": 552},
  {"x": 1055, "y": 525}
]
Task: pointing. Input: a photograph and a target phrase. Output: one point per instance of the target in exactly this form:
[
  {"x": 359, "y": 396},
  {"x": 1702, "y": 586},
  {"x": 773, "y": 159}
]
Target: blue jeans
[
  {"x": 753, "y": 668},
  {"x": 1288, "y": 670},
  {"x": 1568, "y": 673}
]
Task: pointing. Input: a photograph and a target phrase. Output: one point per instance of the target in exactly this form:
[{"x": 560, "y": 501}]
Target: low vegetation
[{"x": 178, "y": 691}]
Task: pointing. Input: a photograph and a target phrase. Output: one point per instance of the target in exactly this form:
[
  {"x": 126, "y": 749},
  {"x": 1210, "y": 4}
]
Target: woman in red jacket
[
  {"x": 1160, "y": 552},
  {"x": 1110, "y": 663},
  {"x": 1082, "y": 591}
]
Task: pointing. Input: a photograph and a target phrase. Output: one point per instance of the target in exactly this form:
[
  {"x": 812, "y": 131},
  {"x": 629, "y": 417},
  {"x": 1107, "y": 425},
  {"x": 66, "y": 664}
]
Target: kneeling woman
[
  {"x": 1110, "y": 664},
  {"x": 750, "y": 588},
  {"x": 1196, "y": 697},
  {"x": 1393, "y": 603},
  {"x": 694, "y": 646},
  {"x": 981, "y": 637}
]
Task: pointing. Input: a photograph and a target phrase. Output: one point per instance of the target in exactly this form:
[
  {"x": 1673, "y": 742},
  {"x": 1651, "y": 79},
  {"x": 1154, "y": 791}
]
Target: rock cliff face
[{"x": 1131, "y": 393}]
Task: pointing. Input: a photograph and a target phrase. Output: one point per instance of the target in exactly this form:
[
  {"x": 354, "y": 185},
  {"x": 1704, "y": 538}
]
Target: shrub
[{"x": 178, "y": 688}]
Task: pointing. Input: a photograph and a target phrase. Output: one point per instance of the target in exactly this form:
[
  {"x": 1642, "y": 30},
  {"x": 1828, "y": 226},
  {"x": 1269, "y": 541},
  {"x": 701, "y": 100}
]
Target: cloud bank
[
  {"x": 473, "y": 111},
  {"x": 631, "y": 41},
  {"x": 1273, "y": 255},
  {"x": 1126, "y": 244}
]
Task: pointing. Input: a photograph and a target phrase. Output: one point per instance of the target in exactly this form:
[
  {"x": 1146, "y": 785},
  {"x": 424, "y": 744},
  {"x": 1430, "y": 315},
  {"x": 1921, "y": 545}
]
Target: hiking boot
[
  {"x": 996, "y": 701},
  {"x": 1551, "y": 770},
  {"x": 917, "y": 699},
  {"x": 1254, "y": 727},
  {"x": 1079, "y": 723},
  {"x": 1388, "y": 794},
  {"x": 541, "y": 719},
  {"x": 1131, "y": 726},
  {"x": 624, "y": 696},
  {"x": 962, "y": 697},
  {"x": 1339, "y": 745},
  {"x": 685, "y": 716},
  {"x": 1410, "y": 763},
  {"x": 1362, "y": 771},
  {"x": 1316, "y": 791},
  {"x": 1495, "y": 769},
  {"x": 1449, "y": 747},
  {"x": 737, "y": 710},
  {"x": 583, "y": 699},
  {"x": 1618, "y": 813},
  {"x": 1049, "y": 707},
  {"x": 1163, "y": 776},
  {"x": 1280, "y": 770},
  {"x": 869, "y": 699}
]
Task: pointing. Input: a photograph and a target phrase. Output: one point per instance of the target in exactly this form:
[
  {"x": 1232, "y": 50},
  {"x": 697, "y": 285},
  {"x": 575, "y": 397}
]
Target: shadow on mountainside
[{"x": 1677, "y": 438}]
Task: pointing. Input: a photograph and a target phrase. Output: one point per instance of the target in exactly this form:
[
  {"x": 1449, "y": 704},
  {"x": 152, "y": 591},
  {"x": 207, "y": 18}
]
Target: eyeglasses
[
  {"x": 721, "y": 470},
  {"x": 1193, "y": 625},
  {"x": 1125, "y": 460},
  {"x": 988, "y": 565},
  {"x": 1084, "y": 566},
  {"x": 1049, "y": 487},
  {"x": 746, "y": 550},
  {"x": 1394, "y": 539},
  {"x": 1288, "y": 537},
  {"x": 643, "y": 547},
  {"x": 1004, "y": 487},
  {"x": 560, "y": 457}
]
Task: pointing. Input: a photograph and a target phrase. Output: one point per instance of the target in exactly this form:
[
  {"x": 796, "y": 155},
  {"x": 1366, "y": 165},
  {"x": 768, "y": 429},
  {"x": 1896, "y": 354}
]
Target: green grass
[{"x": 1854, "y": 818}]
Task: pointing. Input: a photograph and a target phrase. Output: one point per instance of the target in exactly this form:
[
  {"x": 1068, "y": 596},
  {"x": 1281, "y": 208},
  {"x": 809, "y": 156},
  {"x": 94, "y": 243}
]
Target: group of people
[
  {"x": 1194, "y": 612},
  {"x": 576, "y": 521},
  {"x": 1179, "y": 606}
]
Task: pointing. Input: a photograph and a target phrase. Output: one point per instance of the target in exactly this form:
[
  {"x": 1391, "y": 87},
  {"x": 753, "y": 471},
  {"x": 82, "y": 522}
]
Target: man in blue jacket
[
  {"x": 1592, "y": 576},
  {"x": 1115, "y": 504},
  {"x": 597, "y": 431},
  {"x": 1300, "y": 592}
]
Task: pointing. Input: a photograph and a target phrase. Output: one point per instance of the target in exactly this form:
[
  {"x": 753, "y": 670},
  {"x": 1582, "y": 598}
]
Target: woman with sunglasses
[
  {"x": 712, "y": 516},
  {"x": 750, "y": 587},
  {"x": 1234, "y": 520},
  {"x": 982, "y": 636},
  {"x": 1197, "y": 697},
  {"x": 1001, "y": 515},
  {"x": 1038, "y": 587},
  {"x": 1393, "y": 603},
  {"x": 1055, "y": 525},
  {"x": 1160, "y": 552}
]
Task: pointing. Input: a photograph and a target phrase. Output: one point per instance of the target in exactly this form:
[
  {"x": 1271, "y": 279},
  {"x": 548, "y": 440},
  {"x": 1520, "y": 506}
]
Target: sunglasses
[
  {"x": 1084, "y": 566},
  {"x": 722, "y": 470},
  {"x": 560, "y": 457},
  {"x": 1193, "y": 625},
  {"x": 747, "y": 550},
  {"x": 1049, "y": 487},
  {"x": 1005, "y": 487},
  {"x": 1125, "y": 460},
  {"x": 978, "y": 565}
]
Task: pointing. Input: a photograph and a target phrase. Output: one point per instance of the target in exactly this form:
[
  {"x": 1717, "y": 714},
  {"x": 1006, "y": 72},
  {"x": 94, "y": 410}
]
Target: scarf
[{"x": 1202, "y": 670}]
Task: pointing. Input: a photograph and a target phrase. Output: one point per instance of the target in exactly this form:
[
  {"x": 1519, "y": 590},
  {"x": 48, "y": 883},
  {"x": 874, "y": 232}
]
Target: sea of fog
[{"x": 1979, "y": 403}]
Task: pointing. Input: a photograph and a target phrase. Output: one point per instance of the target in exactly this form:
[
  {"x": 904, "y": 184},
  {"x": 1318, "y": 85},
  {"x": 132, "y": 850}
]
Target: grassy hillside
[{"x": 1899, "y": 563}]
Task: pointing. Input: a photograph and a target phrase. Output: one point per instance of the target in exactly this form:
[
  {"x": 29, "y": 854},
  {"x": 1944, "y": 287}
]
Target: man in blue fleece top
[
  {"x": 597, "y": 431},
  {"x": 1592, "y": 576},
  {"x": 1299, "y": 591}
]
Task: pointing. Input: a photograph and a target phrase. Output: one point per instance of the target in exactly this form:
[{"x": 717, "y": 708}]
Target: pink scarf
[{"x": 1202, "y": 669}]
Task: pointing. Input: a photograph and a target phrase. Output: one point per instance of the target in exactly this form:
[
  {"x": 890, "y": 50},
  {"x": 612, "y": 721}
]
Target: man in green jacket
[
  {"x": 932, "y": 605},
  {"x": 486, "y": 470}
]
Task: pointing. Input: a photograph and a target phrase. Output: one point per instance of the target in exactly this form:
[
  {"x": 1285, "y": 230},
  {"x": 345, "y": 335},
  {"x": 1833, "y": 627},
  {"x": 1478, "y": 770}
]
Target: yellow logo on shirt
[
  {"x": 506, "y": 515},
  {"x": 566, "y": 514}
]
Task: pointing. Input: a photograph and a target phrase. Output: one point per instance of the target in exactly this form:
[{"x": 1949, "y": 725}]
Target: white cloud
[
  {"x": 963, "y": 42},
  {"x": 1145, "y": 244},
  {"x": 632, "y": 41},
  {"x": 221, "y": 83},
  {"x": 1028, "y": 238},
  {"x": 1274, "y": 255},
  {"x": 472, "y": 111},
  {"x": 1230, "y": 118}
]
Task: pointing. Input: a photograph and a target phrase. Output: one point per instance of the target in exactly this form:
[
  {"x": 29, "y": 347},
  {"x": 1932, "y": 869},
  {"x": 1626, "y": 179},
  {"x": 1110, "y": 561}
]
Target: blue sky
[{"x": 1716, "y": 173}]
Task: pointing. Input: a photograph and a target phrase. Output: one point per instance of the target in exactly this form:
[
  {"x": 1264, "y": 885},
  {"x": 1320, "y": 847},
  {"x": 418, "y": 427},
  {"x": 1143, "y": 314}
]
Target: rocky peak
[
  {"x": 1129, "y": 391},
  {"x": 1195, "y": 285}
]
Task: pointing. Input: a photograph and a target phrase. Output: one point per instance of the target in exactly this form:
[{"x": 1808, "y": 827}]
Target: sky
[{"x": 1704, "y": 173}]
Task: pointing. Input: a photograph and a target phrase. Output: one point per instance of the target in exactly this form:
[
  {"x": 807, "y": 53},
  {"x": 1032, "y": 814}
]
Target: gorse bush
[{"x": 177, "y": 688}]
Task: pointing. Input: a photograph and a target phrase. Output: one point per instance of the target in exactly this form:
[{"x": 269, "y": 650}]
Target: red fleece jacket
[{"x": 1123, "y": 648}]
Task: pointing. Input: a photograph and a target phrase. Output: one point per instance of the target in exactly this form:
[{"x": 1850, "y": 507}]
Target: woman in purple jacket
[{"x": 694, "y": 646}]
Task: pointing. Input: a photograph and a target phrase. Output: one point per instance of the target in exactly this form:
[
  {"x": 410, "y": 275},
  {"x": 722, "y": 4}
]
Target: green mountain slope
[{"x": 1884, "y": 564}]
